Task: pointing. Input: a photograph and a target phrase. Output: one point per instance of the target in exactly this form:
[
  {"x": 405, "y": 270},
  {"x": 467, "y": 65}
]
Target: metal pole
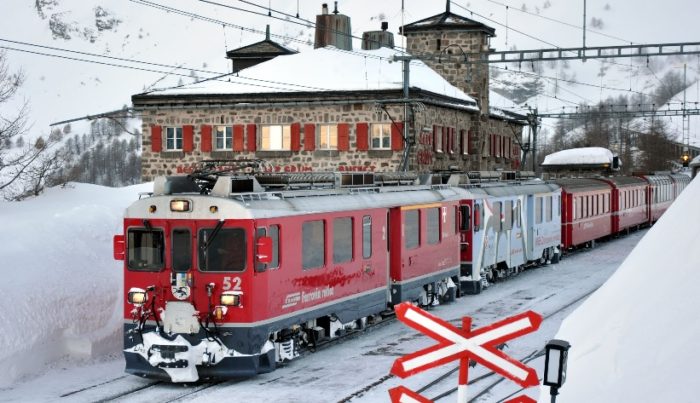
[
  {"x": 584, "y": 25},
  {"x": 534, "y": 142},
  {"x": 404, "y": 162}
]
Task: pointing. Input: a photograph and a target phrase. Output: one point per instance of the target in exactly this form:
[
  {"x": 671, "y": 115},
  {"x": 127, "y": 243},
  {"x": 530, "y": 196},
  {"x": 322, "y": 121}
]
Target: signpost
[{"x": 464, "y": 344}]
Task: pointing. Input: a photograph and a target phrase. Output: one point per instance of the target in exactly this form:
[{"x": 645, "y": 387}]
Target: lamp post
[{"x": 557, "y": 352}]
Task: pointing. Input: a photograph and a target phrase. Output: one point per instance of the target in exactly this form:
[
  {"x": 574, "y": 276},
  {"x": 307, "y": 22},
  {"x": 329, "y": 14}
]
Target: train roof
[
  {"x": 581, "y": 184},
  {"x": 623, "y": 181},
  {"x": 525, "y": 188}
]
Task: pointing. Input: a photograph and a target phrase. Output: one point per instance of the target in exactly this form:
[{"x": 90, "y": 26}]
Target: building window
[
  {"x": 328, "y": 137},
  {"x": 276, "y": 138},
  {"x": 381, "y": 136},
  {"x": 224, "y": 138},
  {"x": 173, "y": 138}
]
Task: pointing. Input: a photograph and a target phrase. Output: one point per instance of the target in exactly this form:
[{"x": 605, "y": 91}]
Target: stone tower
[{"x": 448, "y": 36}]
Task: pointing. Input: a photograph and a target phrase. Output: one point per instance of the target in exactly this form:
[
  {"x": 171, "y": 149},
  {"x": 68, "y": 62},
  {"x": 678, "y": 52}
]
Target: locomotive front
[{"x": 188, "y": 294}]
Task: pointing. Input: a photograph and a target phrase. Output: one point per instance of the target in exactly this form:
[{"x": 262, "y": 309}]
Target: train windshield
[
  {"x": 146, "y": 249},
  {"x": 225, "y": 251}
]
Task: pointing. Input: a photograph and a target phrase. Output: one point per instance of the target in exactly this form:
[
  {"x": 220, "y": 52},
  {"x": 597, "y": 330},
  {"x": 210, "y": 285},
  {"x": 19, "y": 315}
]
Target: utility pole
[
  {"x": 533, "y": 121},
  {"x": 406, "y": 149}
]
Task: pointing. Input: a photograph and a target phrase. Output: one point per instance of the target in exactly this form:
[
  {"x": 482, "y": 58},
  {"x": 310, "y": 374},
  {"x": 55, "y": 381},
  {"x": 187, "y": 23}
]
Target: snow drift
[
  {"x": 634, "y": 340},
  {"x": 61, "y": 289}
]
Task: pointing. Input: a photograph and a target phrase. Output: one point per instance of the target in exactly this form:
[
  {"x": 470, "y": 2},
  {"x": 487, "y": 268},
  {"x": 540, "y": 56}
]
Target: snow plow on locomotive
[{"x": 228, "y": 274}]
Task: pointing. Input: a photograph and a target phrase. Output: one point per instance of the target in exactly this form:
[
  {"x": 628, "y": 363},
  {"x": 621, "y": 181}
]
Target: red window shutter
[
  {"x": 437, "y": 139},
  {"x": 205, "y": 146},
  {"x": 309, "y": 137},
  {"x": 252, "y": 139},
  {"x": 452, "y": 140},
  {"x": 156, "y": 138},
  {"x": 295, "y": 142},
  {"x": 362, "y": 133},
  {"x": 343, "y": 137},
  {"x": 397, "y": 136},
  {"x": 493, "y": 145},
  {"x": 187, "y": 138},
  {"x": 463, "y": 141},
  {"x": 238, "y": 137}
]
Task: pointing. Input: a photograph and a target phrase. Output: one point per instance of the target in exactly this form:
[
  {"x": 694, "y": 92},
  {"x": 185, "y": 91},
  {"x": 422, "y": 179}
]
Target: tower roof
[
  {"x": 448, "y": 21},
  {"x": 266, "y": 48}
]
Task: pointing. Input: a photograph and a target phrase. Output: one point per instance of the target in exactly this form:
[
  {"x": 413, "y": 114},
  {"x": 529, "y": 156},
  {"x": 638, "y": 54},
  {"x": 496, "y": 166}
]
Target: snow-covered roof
[
  {"x": 580, "y": 156},
  {"x": 325, "y": 69}
]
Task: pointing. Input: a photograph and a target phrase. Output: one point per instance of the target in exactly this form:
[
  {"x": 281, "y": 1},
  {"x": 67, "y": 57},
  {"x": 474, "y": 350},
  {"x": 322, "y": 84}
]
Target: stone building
[{"x": 332, "y": 110}]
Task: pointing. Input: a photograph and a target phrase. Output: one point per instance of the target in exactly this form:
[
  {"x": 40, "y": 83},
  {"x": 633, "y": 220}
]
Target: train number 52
[{"x": 232, "y": 283}]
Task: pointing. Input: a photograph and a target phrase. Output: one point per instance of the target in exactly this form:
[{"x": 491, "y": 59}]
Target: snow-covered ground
[
  {"x": 61, "y": 291},
  {"x": 631, "y": 341}
]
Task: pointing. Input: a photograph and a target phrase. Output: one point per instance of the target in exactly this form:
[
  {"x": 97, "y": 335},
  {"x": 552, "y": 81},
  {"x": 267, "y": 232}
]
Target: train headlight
[
  {"x": 179, "y": 205},
  {"x": 137, "y": 296},
  {"x": 231, "y": 298}
]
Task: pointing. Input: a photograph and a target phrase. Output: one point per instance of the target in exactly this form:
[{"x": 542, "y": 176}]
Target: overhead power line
[{"x": 560, "y": 22}]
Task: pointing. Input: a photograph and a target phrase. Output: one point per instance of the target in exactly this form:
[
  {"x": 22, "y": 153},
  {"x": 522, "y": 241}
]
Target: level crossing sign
[{"x": 463, "y": 344}]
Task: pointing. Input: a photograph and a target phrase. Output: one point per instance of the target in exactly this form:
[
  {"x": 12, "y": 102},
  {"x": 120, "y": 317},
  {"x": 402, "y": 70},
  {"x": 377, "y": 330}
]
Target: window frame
[
  {"x": 433, "y": 235},
  {"x": 226, "y": 137},
  {"x": 306, "y": 248},
  {"x": 366, "y": 237},
  {"x": 414, "y": 229},
  {"x": 174, "y": 137},
  {"x": 201, "y": 237},
  {"x": 330, "y": 136},
  {"x": 173, "y": 248},
  {"x": 266, "y": 136},
  {"x": 340, "y": 238},
  {"x": 383, "y": 136},
  {"x": 158, "y": 267}
]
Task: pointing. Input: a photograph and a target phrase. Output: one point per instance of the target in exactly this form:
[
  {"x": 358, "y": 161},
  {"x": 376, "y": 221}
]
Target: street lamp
[{"x": 555, "y": 366}]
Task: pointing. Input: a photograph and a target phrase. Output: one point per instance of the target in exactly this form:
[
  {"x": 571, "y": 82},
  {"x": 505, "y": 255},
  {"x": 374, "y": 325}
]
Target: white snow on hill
[
  {"x": 635, "y": 339},
  {"x": 61, "y": 289}
]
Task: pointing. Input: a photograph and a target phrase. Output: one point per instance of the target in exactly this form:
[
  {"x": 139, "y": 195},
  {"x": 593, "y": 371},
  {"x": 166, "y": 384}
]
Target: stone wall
[
  {"x": 422, "y": 155},
  {"x": 473, "y": 79}
]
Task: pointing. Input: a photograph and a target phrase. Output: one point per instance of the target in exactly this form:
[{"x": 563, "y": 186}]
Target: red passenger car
[
  {"x": 586, "y": 211},
  {"x": 629, "y": 204}
]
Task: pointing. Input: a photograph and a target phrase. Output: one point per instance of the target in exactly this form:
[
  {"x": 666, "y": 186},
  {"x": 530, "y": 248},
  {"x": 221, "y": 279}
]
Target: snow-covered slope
[
  {"x": 60, "y": 287},
  {"x": 635, "y": 339}
]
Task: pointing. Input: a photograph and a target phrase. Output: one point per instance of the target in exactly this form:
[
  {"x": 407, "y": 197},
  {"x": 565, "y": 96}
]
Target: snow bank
[
  {"x": 61, "y": 288},
  {"x": 635, "y": 339},
  {"x": 585, "y": 155}
]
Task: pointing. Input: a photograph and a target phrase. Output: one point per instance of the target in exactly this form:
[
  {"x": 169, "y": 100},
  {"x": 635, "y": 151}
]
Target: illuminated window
[
  {"x": 328, "y": 137},
  {"x": 381, "y": 136},
  {"x": 276, "y": 138}
]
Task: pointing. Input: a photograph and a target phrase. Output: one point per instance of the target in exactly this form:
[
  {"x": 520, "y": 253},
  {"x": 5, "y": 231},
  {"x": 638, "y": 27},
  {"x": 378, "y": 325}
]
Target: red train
[{"x": 227, "y": 275}]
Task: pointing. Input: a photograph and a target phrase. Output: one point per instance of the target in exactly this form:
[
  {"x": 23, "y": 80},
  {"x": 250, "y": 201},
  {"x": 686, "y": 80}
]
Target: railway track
[{"x": 478, "y": 380}]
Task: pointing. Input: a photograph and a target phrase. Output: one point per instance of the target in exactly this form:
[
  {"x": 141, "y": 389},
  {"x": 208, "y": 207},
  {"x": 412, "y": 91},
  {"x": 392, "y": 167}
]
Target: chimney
[
  {"x": 372, "y": 40},
  {"x": 333, "y": 29}
]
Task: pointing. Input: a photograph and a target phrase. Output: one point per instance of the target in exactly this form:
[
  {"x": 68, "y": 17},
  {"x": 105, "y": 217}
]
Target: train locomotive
[{"x": 229, "y": 274}]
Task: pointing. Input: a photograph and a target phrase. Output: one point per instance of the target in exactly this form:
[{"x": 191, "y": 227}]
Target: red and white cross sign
[{"x": 463, "y": 344}]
